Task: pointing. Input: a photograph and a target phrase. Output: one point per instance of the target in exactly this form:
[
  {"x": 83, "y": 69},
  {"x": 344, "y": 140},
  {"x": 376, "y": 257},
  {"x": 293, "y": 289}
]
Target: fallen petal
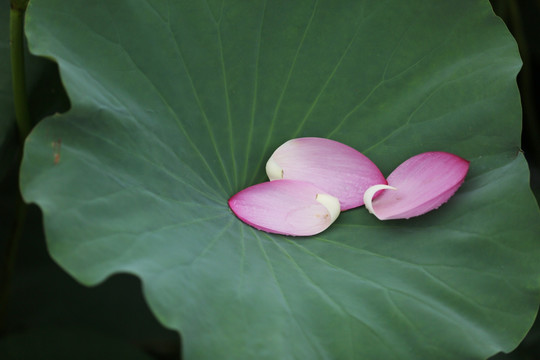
[
  {"x": 420, "y": 184},
  {"x": 287, "y": 207},
  {"x": 336, "y": 168}
]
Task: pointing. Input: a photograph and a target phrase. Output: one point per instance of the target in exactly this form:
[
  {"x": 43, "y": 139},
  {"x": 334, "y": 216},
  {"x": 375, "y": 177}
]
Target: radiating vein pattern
[{"x": 176, "y": 105}]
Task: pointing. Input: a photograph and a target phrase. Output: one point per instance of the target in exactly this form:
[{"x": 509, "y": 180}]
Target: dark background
[{"x": 51, "y": 316}]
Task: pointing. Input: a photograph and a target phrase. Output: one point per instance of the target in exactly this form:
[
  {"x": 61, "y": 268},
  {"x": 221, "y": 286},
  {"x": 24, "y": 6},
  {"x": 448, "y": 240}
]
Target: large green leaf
[{"x": 177, "y": 105}]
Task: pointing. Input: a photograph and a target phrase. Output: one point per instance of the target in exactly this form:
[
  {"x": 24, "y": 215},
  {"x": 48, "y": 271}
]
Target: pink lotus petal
[
  {"x": 287, "y": 207},
  {"x": 420, "y": 184},
  {"x": 334, "y": 167}
]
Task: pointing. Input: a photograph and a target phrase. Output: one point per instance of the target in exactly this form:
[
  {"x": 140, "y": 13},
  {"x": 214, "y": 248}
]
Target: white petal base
[
  {"x": 331, "y": 203},
  {"x": 273, "y": 170},
  {"x": 370, "y": 193}
]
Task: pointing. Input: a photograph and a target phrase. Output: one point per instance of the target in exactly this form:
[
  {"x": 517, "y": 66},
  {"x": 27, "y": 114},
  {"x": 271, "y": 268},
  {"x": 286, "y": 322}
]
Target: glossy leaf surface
[{"x": 178, "y": 105}]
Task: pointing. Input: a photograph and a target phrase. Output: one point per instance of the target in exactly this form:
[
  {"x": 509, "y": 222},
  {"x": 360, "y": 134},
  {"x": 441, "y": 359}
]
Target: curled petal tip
[
  {"x": 370, "y": 193},
  {"x": 335, "y": 168},
  {"x": 287, "y": 207}
]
